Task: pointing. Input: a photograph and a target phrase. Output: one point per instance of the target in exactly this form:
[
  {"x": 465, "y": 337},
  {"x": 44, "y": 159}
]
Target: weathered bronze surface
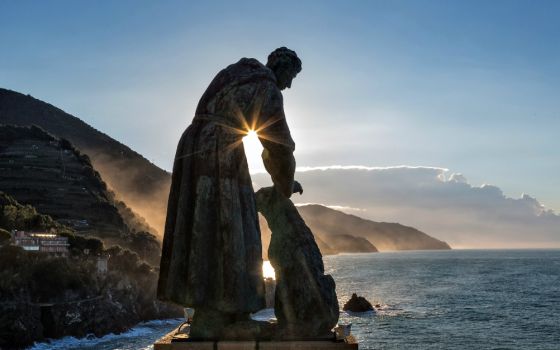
[
  {"x": 211, "y": 258},
  {"x": 306, "y": 304}
]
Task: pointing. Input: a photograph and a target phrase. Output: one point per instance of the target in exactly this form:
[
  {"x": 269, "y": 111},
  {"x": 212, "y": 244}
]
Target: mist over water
[{"x": 459, "y": 299}]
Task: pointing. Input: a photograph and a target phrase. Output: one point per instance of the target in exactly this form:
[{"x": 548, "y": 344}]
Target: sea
[{"x": 455, "y": 299}]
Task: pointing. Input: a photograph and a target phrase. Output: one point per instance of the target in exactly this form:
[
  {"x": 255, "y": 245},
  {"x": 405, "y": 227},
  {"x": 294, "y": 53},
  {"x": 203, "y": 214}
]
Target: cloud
[
  {"x": 433, "y": 199},
  {"x": 336, "y": 207}
]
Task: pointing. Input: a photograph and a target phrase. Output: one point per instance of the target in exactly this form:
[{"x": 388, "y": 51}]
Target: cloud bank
[{"x": 435, "y": 200}]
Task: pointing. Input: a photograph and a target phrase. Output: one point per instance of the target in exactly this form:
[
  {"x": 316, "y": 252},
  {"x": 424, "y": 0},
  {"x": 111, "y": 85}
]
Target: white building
[{"x": 41, "y": 242}]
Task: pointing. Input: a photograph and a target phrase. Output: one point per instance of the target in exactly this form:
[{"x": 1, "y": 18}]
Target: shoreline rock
[{"x": 358, "y": 304}]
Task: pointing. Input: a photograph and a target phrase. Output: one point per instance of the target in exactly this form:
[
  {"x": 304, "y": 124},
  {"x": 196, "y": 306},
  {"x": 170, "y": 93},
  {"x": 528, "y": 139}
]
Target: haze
[{"x": 469, "y": 88}]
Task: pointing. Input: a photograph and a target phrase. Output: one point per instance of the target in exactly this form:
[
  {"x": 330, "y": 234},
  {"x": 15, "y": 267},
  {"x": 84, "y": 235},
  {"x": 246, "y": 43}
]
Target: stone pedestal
[{"x": 171, "y": 341}]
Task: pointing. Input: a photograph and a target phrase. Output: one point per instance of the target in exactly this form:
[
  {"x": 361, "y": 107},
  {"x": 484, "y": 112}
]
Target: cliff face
[
  {"x": 385, "y": 236},
  {"x": 135, "y": 180},
  {"x": 80, "y": 302}
]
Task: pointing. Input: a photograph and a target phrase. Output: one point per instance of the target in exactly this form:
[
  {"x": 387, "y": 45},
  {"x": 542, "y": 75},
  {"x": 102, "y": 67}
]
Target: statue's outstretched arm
[{"x": 278, "y": 145}]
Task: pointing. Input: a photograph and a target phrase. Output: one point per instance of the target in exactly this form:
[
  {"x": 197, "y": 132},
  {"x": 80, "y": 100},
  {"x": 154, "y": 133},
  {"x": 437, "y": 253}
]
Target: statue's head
[{"x": 285, "y": 64}]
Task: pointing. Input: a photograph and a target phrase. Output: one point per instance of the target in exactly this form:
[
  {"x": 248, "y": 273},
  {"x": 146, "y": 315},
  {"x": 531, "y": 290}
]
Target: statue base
[{"x": 179, "y": 341}]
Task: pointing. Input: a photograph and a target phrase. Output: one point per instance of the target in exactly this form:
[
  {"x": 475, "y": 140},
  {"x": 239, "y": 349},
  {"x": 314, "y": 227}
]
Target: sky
[
  {"x": 469, "y": 86},
  {"x": 434, "y": 200}
]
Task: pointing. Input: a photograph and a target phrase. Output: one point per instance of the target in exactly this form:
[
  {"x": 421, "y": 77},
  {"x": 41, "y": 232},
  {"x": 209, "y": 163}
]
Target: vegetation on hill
[
  {"x": 81, "y": 299},
  {"x": 50, "y": 297},
  {"x": 5, "y": 236},
  {"x": 15, "y": 216},
  {"x": 136, "y": 182},
  {"x": 52, "y": 175},
  {"x": 134, "y": 179}
]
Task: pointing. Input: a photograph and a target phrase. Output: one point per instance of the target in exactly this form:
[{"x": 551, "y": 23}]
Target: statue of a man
[{"x": 211, "y": 259}]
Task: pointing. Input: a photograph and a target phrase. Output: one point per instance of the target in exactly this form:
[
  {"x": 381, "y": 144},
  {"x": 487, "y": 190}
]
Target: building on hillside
[
  {"x": 102, "y": 264},
  {"x": 41, "y": 242}
]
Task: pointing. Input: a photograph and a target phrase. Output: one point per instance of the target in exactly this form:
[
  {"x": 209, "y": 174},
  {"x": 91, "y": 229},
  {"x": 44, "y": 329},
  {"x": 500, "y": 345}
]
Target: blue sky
[{"x": 471, "y": 86}]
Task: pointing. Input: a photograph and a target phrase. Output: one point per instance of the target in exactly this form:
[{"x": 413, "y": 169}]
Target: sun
[
  {"x": 268, "y": 270},
  {"x": 252, "y": 134},
  {"x": 253, "y": 150}
]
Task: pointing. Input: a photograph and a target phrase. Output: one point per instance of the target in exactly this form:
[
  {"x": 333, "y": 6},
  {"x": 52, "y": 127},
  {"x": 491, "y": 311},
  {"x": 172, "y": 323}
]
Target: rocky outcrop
[
  {"x": 47, "y": 297},
  {"x": 305, "y": 303},
  {"x": 357, "y": 304},
  {"x": 20, "y": 325}
]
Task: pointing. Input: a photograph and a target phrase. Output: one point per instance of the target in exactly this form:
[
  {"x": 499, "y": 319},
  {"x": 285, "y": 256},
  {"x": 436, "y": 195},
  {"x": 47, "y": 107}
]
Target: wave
[
  {"x": 264, "y": 315},
  {"x": 140, "y": 330}
]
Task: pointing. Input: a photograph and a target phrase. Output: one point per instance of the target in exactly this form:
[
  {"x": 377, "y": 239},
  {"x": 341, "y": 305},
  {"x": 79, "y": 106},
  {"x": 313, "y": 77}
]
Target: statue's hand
[{"x": 297, "y": 188}]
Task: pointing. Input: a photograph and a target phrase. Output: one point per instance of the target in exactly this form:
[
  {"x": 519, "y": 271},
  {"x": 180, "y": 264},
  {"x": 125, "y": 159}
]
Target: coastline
[
  {"x": 33, "y": 323},
  {"x": 145, "y": 329}
]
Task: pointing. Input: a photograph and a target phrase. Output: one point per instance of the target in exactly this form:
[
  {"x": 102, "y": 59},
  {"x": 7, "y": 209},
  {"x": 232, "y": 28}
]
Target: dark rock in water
[
  {"x": 306, "y": 304},
  {"x": 357, "y": 304}
]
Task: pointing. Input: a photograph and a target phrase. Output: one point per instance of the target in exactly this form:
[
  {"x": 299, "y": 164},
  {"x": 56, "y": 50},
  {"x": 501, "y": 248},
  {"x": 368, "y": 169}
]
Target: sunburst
[
  {"x": 253, "y": 150},
  {"x": 268, "y": 270}
]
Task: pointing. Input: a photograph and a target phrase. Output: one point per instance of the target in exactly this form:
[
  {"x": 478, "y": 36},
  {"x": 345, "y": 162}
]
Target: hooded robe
[{"x": 211, "y": 255}]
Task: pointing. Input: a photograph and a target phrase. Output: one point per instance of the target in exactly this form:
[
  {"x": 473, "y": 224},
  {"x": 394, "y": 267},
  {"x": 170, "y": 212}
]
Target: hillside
[
  {"x": 330, "y": 243},
  {"x": 51, "y": 175},
  {"x": 34, "y": 308},
  {"x": 385, "y": 236},
  {"x": 139, "y": 183},
  {"x": 337, "y": 232},
  {"x": 144, "y": 187}
]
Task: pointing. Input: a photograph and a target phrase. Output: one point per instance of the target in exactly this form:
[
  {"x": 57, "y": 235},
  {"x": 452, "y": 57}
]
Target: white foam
[
  {"x": 264, "y": 315},
  {"x": 141, "y": 329}
]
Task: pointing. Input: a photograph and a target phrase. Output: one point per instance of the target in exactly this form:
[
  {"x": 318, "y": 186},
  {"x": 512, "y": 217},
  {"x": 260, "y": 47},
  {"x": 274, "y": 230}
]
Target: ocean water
[
  {"x": 459, "y": 299},
  {"x": 140, "y": 337}
]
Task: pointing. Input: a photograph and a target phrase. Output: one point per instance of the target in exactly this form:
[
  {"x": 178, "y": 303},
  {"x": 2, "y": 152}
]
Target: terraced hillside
[
  {"x": 48, "y": 173},
  {"x": 38, "y": 169},
  {"x": 134, "y": 179}
]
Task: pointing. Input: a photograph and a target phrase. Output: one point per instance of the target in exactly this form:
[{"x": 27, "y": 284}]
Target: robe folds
[{"x": 211, "y": 255}]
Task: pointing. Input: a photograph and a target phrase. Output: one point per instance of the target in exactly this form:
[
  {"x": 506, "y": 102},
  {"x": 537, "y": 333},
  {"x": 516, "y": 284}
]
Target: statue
[
  {"x": 305, "y": 304},
  {"x": 211, "y": 259}
]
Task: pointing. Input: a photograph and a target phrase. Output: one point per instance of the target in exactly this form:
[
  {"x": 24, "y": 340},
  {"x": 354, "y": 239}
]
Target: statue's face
[{"x": 284, "y": 77}]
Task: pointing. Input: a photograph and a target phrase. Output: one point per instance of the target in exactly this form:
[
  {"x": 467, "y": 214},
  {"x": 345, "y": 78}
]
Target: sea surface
[{"x": 458, "y": 299}]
